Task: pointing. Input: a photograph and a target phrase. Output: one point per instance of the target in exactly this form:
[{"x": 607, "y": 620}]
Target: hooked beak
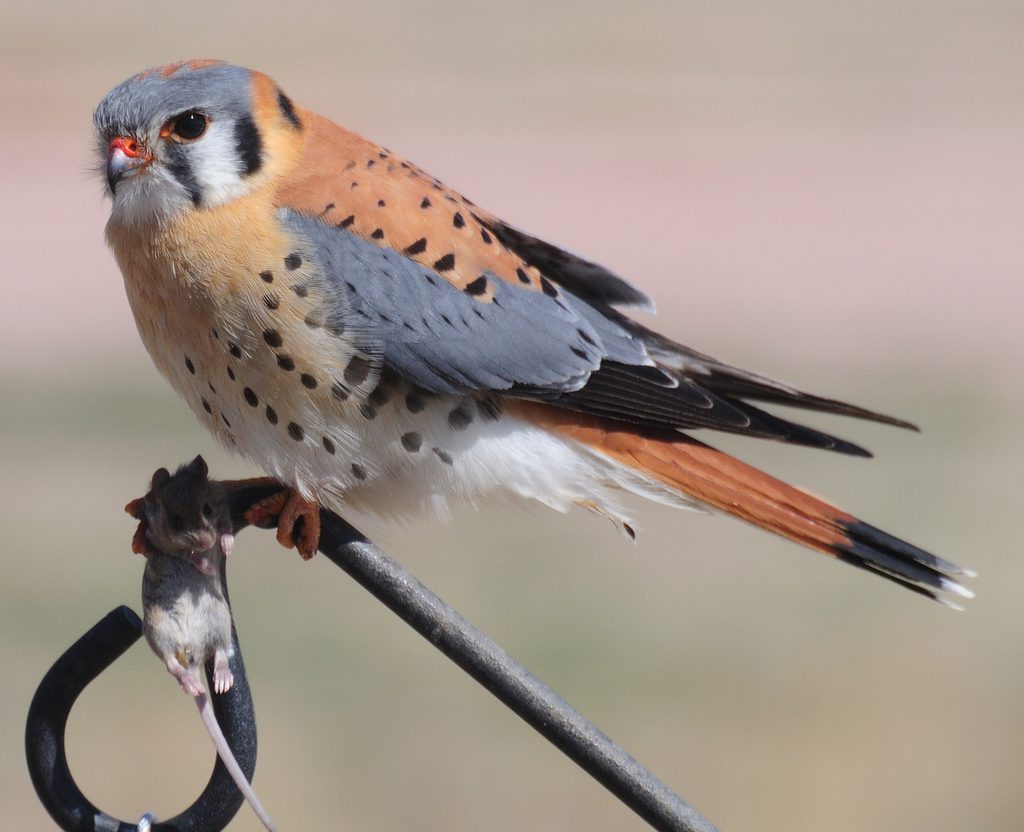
[{"x": 125, "y": 157}]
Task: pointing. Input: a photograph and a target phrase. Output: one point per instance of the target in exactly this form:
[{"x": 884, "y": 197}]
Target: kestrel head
[{"x": 187, "y": 135}]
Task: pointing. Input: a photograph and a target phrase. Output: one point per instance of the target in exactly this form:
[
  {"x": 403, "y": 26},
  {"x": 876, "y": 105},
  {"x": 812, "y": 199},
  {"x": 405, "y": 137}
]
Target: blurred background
[{"x": 827, "y": 192}]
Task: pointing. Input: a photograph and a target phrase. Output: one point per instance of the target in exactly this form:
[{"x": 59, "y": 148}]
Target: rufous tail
[{"x": 724, "y": 483}]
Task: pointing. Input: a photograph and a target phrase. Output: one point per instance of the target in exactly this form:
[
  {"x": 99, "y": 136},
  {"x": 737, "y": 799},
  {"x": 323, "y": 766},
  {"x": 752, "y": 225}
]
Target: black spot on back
[
  {"x": 523, "y": 276},
  {"x": 358, "y": 471},
  {"x": 418, "y": 247},
  {"x": 295, "y": 431},
  {"x": 412, "y": 441},
  {"x": 345, "y": 223},
  {"x": 328, "y": 445},
  {"x": 476, "y": 287},
  {"x": 425, "y": 203},
  {"x": 458, "y": 221},
  {"x": 446, "y": 263},
  {"x": 272, "y": 337},
  {"x": 292, "y": 261},
  {"x": 285, "y": 362},
  {"x": 267, "y": 277}
]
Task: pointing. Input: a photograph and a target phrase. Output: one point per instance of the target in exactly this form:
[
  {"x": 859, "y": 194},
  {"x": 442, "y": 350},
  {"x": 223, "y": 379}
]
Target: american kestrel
[{"x": 377, "y": 341}]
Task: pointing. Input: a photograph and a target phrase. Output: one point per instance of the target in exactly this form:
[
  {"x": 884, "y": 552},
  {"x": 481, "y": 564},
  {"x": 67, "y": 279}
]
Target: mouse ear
[
  {"x": 200, "y": 466},
  {"x": 160, "y": 477}
]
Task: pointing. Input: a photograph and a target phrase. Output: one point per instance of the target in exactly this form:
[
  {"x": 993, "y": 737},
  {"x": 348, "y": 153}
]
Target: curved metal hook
[{"x": 48, "y": 715}]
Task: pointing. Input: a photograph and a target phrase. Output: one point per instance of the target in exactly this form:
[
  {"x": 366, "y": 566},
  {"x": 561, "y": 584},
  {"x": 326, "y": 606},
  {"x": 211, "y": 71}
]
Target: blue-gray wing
[{"x": 447, "y": 340}]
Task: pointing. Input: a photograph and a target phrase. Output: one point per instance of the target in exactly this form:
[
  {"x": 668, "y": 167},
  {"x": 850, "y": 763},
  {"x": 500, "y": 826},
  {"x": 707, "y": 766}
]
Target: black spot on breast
[
  {"x": 548, "y": 287},
  {"x": 345, "y": 223},
  {"x": 380, "y": 395},
  {"x": 206, "y": 406},
  {"x": 339, "y": 392},
  {"x": 412, "y": 441},
  {"x": 285, "y": 362},
  {"x": 357, "y": 370},
  {"x": 272, "y": 337},
  {"x": 231, "y": 374},
  {"x": 271, "y": 301},
  {"x": 267, "y": 277},
  {"x": 415, "y": 402},
  {"x": 418, "y": 247},
  {"x": 458, "y": 221},
  {"x": 460, "y": 418},
  {"x": 212, "y": 388},
  {"x": 328, "y": 445},
  {"x": 250, "y": 397},
  {"x": 425, "y": 203},
  {"x": 271, "y": 415},
  {"x": 288, "y": 110},
  {"x": 378, "y": 234},
  {"x": 292, "y": 262},
  {"x": 235, "y": 350},
  {"x": 248, "y": 145},
  {"x": 446, "y": 263},
  {"x": 523, "y": 276},
  {"x": 295, "y": 431},
  {"x": 368, "y": 412},
  {"x": 189, "y": 365},
  {"x": 358, "y": 471},
  {"x": 300, "y": 289},
  {"x": 308, "y": 381},
  {"x": 476, "y": 287},
  {"x": 443, "y": 455}
]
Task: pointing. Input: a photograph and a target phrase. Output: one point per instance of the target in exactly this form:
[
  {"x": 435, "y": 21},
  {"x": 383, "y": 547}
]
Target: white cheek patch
[{"x": 216, "y": 166}]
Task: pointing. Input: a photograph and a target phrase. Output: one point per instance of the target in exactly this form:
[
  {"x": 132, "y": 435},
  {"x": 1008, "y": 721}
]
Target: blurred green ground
[{"x": 825, "y": 192}]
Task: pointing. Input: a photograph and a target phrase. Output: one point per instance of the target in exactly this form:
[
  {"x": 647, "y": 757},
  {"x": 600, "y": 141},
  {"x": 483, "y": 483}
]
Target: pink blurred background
[{"x": 825, "y": 192}]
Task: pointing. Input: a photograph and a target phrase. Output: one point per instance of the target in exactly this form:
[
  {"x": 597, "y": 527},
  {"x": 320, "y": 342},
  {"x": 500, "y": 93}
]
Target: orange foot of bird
[{"x": 289, "y": 509}]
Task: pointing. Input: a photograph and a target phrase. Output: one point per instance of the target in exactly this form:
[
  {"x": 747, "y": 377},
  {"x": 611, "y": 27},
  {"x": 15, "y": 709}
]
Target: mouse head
[{"x": 185, "y": 515}]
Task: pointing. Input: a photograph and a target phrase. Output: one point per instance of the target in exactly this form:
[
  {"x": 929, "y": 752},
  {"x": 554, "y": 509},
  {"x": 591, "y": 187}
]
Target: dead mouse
[{"x": 186, "y": 617}]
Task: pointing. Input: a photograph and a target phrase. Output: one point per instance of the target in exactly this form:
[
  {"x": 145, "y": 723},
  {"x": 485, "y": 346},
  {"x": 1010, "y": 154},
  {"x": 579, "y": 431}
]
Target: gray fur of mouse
[{"x": 186, "y": 616}]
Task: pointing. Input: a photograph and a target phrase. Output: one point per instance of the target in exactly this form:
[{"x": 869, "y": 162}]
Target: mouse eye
[
  {"x": 207, "y": 510},
  {"x": 176, "y": 523},
  {"x": 187, "y": 127}
]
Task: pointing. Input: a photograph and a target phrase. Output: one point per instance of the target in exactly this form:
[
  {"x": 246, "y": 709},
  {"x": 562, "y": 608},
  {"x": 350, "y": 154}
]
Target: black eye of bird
[{"x": 188, "y": 126}]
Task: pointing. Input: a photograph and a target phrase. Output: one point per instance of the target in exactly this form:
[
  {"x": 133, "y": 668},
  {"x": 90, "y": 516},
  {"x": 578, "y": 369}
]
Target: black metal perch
[{"x": 402, "y": 593}]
